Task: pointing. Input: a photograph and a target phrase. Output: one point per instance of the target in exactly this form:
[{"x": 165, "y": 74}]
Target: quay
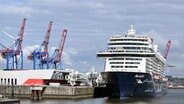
[
  {"x": 4, "y": 100},
  {"x": 51, "y": 92},
  {"x": 175, "y": 87},
  {"x": 9, "y": 101}
]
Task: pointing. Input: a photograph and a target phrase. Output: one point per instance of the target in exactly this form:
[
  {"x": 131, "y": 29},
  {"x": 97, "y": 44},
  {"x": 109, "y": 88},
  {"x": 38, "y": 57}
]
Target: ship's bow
[{"x": 129, "y": 84}]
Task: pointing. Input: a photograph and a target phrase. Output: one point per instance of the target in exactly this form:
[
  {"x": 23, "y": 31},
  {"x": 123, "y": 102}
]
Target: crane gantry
[
  {"x": 40, "y": 55},
  {"x": 14, "y": 54}
]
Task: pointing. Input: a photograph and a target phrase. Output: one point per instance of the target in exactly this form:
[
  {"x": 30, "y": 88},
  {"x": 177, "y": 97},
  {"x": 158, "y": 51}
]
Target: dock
[
  {"x": 9, "y": 101},
  {"x": 51, "y": 92},
  {"x": 175, "y": 87}
]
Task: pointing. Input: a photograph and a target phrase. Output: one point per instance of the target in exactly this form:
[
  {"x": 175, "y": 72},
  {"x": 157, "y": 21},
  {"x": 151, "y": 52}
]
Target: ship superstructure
[{"x": 133, "y": 53}]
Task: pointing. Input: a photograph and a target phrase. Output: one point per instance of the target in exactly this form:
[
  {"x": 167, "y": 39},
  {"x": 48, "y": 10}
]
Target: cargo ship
[{"x": 134, "y": 66}]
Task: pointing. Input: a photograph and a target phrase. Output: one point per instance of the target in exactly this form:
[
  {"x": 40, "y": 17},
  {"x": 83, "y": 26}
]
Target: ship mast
[{"x": 132, "y": 31}]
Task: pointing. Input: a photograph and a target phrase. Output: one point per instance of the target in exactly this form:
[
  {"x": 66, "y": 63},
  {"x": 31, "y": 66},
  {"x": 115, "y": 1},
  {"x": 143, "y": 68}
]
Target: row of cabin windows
[
  {"x": 150, "y": 62},
  {"x": 116, "y": 66},
  {"x": 116, "y": 62},
  {"x": 144, "y": 48},
  {"x": 138, "y": 51},
  {"x": 127, "y": 44},
  {"x": 116, "y": 59},
  {"x": 132, "y": 48},
  {"x": 133, "y": 59},
  {"x": 155, "y": 64},
  {"x": 125, "y": 62},
  {"x": 125, "y": 66},
  {"x": 143, "y": 40},
  {"x": 131, "y": 66},
  {"x": 8, "y": 81},
  {"x": 124, "y": 58},
  {"x": 132, "y": 51},
  {"x": 132, "y": 62}
]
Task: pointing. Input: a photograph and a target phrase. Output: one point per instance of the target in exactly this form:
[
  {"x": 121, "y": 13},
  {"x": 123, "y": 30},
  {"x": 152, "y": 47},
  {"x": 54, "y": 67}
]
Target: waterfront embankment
[{"x": 40, "y": 92}]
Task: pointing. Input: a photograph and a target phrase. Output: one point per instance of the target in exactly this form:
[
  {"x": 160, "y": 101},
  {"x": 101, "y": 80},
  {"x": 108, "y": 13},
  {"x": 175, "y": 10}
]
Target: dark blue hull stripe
[{"x": 133, "y": 84}]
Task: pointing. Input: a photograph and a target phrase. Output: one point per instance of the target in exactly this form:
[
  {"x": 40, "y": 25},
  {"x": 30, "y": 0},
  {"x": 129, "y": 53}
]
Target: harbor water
[{"x": 174, "y": 96}]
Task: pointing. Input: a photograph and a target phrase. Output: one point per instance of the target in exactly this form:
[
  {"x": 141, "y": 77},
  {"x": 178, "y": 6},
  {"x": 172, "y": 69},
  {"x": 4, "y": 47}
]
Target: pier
[
  {"x": 9, "y": 101},
  {"x": 41, "y": 92}
]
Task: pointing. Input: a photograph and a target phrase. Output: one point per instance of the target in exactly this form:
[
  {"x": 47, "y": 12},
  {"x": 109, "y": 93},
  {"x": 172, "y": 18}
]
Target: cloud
[
  {"x": 72, "y": 51},
  {"x": 157, "y": 39},
  {"x": 49, "y": 3},
  {"x": 66, "y": 59},
  {"x": 28, "y": 49},
  {"x": 90, "y": 23},
  {"x": 175, "y": 71},
  {"x": 21, "y": 10},
  {"x": 83, "y": 62}
]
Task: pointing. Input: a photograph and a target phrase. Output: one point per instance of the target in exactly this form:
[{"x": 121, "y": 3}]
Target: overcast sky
[{"x": 90, "y": 23}]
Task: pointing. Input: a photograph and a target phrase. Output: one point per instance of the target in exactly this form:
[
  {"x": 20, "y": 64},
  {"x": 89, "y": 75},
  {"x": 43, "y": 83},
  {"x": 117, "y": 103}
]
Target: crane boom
[
  {"x": 44, "y": 46},
  {"x": 55, "y": 59},
  {"x": 47, "y": 37},
  {"x": 20, "y": 38},
  {"x": 167, "y": 49},
  {"x": 61, "y": 45}
]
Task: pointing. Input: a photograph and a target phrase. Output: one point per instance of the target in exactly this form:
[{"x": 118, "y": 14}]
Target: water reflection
[{"x": 134, "y": 101}]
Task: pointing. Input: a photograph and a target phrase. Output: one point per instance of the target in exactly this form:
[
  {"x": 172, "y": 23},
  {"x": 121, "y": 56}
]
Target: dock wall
[{"x": 48, "y": 91}]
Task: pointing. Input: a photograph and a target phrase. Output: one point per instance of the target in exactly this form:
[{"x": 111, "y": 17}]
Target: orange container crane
[
  {"x": 166, "y": 52},
  {"x": 14, "y": 54},
  {"x": 40, "y": 55},
  {"x": 55, "y": 59},
  {"x": 167, "y": 49}
]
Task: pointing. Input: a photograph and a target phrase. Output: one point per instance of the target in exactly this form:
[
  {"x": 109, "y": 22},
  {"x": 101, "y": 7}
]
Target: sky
[{"x": 90, "y": 23}]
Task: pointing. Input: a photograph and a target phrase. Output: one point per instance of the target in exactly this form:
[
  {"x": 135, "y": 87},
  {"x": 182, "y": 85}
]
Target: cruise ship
[{"x": 134, "y": 66}]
